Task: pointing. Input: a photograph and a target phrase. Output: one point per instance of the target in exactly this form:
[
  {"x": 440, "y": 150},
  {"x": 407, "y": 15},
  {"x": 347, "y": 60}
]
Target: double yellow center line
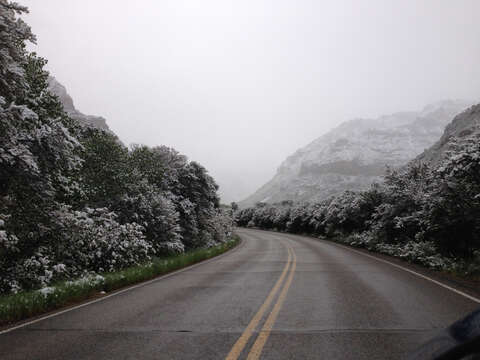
[{"x": 262, "y": 337}]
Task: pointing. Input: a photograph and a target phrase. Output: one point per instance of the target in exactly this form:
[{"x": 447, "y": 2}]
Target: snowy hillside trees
[
  {"x": 425, "y": 214},
  {"x": 73, "y": 199}
]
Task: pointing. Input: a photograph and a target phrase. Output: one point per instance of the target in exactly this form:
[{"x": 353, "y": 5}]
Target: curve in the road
[{"x": 287, "y": 296}]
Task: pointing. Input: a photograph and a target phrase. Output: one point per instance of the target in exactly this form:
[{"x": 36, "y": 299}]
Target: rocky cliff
[
  {"x": 67, "y": 101},
  {"x": 355, "y": 154},
  {"x": 464, "y": 124}
]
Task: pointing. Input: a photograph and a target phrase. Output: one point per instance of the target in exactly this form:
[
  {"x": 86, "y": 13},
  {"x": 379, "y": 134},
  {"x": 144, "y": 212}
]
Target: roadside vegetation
[
  {"x": 429, "y": 215},
  {"x": 73, "y": 199},
  {"x": 26, "y": 304}
]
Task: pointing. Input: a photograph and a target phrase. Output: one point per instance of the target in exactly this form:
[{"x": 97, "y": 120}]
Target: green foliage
[{"x": 104, "y": 173}]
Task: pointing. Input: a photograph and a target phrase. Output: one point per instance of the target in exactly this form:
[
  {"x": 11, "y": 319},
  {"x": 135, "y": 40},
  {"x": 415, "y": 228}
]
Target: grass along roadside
[{"x": 26, "y": 304}]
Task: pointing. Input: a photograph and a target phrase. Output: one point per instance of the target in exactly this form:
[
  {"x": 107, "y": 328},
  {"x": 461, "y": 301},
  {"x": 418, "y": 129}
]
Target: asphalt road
[{"x": 276, "y": 296}]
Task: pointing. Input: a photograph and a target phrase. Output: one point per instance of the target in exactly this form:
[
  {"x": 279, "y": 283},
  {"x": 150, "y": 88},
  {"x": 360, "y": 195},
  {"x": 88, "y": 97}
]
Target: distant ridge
[{"x": 355, "y": 154}]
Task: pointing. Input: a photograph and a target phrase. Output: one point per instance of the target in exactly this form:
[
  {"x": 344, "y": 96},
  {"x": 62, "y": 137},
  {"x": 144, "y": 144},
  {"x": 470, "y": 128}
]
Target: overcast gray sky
[{"x": 240, "y": 85}]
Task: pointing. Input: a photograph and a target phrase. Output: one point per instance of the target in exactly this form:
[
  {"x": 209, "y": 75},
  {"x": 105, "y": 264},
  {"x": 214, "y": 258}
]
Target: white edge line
[
  {"x": 470, "y": 297},
  {"x": 120, "y": 291}
]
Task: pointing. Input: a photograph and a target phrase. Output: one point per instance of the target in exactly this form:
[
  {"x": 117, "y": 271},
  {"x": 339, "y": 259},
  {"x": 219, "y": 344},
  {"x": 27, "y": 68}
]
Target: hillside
[
  {"x": 354, "y": 154},
  {"x": 429, "y": 215},
  {"x": 464, "y": 124}
]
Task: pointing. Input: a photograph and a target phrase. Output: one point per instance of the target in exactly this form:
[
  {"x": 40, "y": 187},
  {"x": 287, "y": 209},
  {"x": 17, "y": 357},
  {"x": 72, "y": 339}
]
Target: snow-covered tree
[
  {"x": 73, "y": 198},
  {"x": 451, "y": 212}
]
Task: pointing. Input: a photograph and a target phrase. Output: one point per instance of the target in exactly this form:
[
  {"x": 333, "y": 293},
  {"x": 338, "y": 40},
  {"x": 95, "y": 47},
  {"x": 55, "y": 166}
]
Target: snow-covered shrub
[
  {"x": 8, "y": 242},
  {"x": 93, "y": 240},
  {"x": 424, "y": 253},
  {"x": 299, "y": 218},
  {"x": 188, "y": 221},
  {"x": 451, "y": 216},
  {"x": 33, "y": 271},
  {"x": 79, "y": 242},
  {"x": 185, "y": 185},
  {"x": 46, "y": 291},
  {"x": 221, "y": 226},
  {"x": 156, "y": 213},
  {"x": 218, "y": 229},
  {"x": 244, "y": 216},
  {"x": 317, "y": 220},
  {"x": 398, "y": 218},
  {"x": 89, "y": 279},
  {"x": 365, "y": 240},
  {"x": 343, "y": 213}
]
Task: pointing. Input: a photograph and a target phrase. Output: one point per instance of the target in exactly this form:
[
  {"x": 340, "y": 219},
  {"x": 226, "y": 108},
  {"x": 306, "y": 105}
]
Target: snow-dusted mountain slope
[
  {"x": 354, "y": 154},
  {"x": 67, "y": 101},
  {"x": 464, "y": 124}
]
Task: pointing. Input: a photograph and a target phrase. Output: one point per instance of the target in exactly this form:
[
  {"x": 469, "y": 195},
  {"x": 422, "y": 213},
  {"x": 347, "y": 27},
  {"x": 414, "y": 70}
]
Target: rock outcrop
[
  {"x": 464, "y": 124},
  {"x": 67, "y": 101},
  {"x": 355, "y": 154}
]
